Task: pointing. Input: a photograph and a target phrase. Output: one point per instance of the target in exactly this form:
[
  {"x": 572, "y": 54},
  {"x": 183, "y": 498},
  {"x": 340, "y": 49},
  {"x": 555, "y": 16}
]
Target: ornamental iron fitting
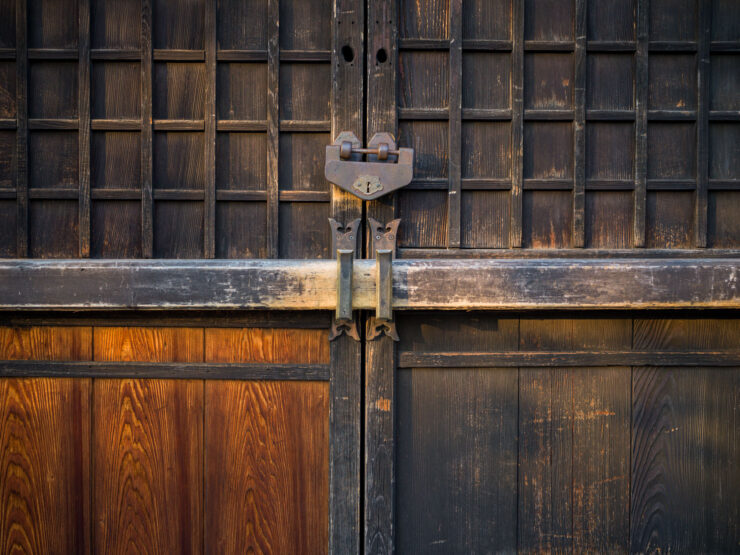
[{"x": 385, "y": 168}]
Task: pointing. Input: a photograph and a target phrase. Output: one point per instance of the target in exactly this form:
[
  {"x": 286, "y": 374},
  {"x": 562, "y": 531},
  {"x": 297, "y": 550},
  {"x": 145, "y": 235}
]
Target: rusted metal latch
[
  {"x": 383, "y": 242},
  {"x": 385, "y": 169}
]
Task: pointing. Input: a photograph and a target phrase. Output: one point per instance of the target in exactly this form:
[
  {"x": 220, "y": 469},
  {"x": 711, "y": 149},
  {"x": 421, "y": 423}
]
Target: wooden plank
[
  {"x": 83, "y": 134},
  {"x": 168, "y": 370},
  {"x": 266, "y": 467},
  {"x": 578, "y": 237},
  {"x": 455, "y": 126},
  {"x": 517, "y": 123},
  {"x": 273, "y": 125},
  {"x": 531, "y": 359},
  {"x": 345, "y": 532},
  {"x": 147, "y": 202},
  {"x": 379, "y": 445},
  {"x": 347, "y": 94},
  {"x": 45, "y": 462},
  {"x": 601, "y": 253},
  {"x": 258, "y": 345},
  {"x": 46, "y": 343},
  {"x": 148, "y": 460},
  {"x": 677, "y": 415},
  {"x": 417, "y": 284},
  {"x": 456, "y": 475},
  {"x": 21, "y": 134},
  {"x": 641, "y": 106},
  {"x": 382, "y": 72},
  {"x": 209, "y": 225},
  {"x": 154, "y": 467},
  {"x": 704, "y": 32}
]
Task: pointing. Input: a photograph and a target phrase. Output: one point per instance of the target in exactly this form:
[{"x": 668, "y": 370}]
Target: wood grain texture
[
  {"x": 266, "y": 345},
  {"x": 148, "y": 344},
  {"x": 45, "y": 464},
  {"x": 46, "y": 343},
  {"x": 148, "y": 445},
  {"x": 266, "y": 459},
  {"x": 457, "y": 461}
]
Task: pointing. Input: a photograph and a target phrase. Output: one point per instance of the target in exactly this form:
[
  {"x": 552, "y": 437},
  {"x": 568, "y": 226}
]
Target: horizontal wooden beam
[
  {"x": 450, "y": 284},
  {"x": 546, "y": 359},
  {"x": 172, "y": 370}
]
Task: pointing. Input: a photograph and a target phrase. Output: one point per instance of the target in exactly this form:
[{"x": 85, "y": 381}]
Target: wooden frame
[{"x": 417, "y": 284}]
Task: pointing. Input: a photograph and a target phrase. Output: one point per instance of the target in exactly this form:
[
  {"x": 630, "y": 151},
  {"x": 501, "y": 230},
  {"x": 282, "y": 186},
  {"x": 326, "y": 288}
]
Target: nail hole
[
  {"x": 347, "y": 53},
  {"x": 381, "y": 56}
]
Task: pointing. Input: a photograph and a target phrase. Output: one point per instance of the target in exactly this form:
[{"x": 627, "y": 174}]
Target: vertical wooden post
[
  {"x": 454, "y": 192},
  {"x": 273, "y": 125},
  {"x": 517, "y": 123},
  {"x": 382, "y": 64},
  {"x": 347, "y": 101},
  {"x": 579, "y": 128},
  {"x": 641, "y": 127},
  {"x": 209, "y": 212},
  {"x": 382, "y": 16},
  {"x": 147, "y": 203},
  {"x": 83, "y": 132},
  {"x": 21, "y": 138},
  {"x": 702, "y": 123}
]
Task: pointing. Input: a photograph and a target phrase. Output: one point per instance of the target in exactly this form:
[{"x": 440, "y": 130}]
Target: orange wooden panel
[
  {"x": 148, "y": 446},
  {"x": 148, "y": 461},
  {"x": 46, "y": 343},
  {"x": 44, "y": 465},
  {"x": 267, "y": 345},
  {"x": 267, "y": 467},
  {"x": 148, "y": 344}
]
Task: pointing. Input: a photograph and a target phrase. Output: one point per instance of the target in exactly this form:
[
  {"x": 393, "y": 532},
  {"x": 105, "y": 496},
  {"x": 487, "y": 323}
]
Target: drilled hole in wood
[
  {"x": 347, "y": 53},
  {"x": 381, "y": 56}
]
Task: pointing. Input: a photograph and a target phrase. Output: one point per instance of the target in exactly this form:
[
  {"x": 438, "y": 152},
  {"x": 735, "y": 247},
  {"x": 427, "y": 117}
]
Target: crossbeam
[{"x": 450, "y": 284}]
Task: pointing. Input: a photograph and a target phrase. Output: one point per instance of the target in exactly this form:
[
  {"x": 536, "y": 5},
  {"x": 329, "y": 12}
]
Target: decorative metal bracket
[
  {"x": 344, "y": 242},
  {"x": 384, "y": 244}
]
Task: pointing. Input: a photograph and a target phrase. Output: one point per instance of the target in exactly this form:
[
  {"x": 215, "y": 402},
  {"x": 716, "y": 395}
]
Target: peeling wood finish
[{"x": 417, "y": 284}]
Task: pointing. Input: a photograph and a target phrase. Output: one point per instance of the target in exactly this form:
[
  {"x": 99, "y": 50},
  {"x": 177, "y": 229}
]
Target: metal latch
[{"x": 385, "y": 169}]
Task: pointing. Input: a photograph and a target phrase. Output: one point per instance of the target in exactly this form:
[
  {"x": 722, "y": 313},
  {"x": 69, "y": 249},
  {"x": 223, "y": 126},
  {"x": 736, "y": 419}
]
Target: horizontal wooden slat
[
  {"x": 115, "y": 54},
  {"x": 173, "y": 370},
  {"x": 115, "y": 125},
  {"x": 567, "y": 254},
  {"x": 518, "y": 359},
  {"x": 417, "y": 284},
  {"x": 171, "y": 55}
]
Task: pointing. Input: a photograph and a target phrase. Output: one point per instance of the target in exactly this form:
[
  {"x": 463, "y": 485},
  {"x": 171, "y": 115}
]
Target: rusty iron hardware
[
  {"x": 383, "y": 241},
  {"x": 386, "y": 168},
  {"x": 344, "y": 243}
]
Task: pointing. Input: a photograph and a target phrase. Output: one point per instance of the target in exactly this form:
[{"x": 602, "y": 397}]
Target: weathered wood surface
[{"x": 417, "y": 284}]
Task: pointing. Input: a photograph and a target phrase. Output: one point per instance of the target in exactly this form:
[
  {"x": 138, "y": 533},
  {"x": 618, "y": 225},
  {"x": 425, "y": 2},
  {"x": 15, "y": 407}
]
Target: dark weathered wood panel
[{"x": 457, "y": 461}]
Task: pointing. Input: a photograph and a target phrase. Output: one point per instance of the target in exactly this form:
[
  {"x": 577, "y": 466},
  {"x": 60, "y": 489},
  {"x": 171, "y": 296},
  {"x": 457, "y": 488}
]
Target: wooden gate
[{"x": 564, "y": 288}]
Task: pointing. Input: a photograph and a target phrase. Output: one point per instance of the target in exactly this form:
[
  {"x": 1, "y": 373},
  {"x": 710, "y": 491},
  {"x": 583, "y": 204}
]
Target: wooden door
[{"x": 172, "y": 438}]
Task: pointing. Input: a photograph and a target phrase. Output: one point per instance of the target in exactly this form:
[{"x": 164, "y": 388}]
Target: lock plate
[
  {"x": 367, "y": 185},
  {"x": 385, "y": 169}
]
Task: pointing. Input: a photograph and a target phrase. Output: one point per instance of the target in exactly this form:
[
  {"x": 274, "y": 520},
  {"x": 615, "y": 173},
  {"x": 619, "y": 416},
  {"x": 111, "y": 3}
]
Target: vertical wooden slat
[
  {"x": 209, "y": 216},
  {"x": 273, "y": 124},
  {"x": 347, "y": 102},
  {"x": 347, "y": 94},
  {"x": 344, "y": 447},
  {"x": 579, "y": 130},
  {"x": 455, "y": 125},
  {"x": 83, "y": 133},
  {"x": 382, "y": 34},
  {"x": 641, "y": 100},
  {"x": 147, "y": 205},
  {"x": 379, "y": 445},
  {"x": 517, "y": 121},
  {"x": 21, "y": 93},
  {"x": 702, "y": 123}
]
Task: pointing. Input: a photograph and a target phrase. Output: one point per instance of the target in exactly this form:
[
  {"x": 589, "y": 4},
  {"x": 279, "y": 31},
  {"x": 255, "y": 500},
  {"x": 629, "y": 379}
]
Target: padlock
[{"x": 386, "y": 169}]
